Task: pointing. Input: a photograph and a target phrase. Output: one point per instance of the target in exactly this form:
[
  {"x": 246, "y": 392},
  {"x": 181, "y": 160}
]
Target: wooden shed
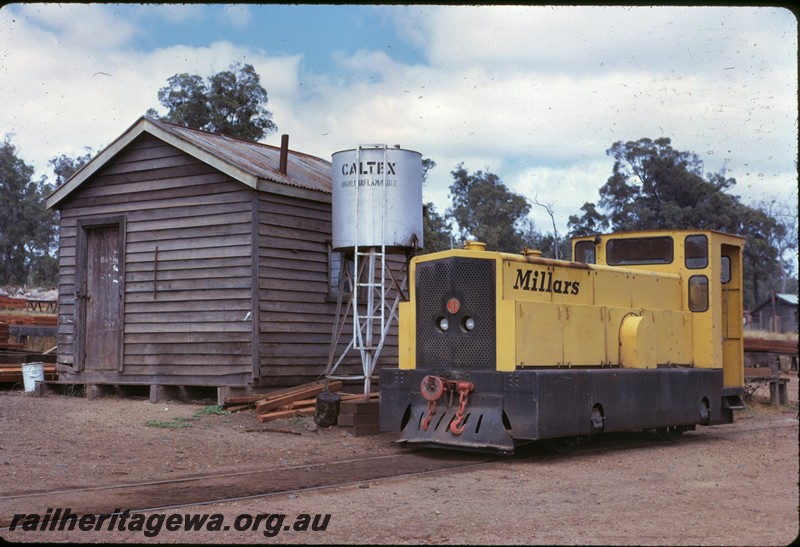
[
  {"x": 189, "y": 258},
  {"x": 776, "y": 314}
]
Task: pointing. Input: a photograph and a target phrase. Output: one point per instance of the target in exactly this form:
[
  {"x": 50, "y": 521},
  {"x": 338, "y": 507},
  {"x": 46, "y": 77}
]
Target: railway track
[
  {"x": 222, "y": 487},
  {"x": 232, "y": 486}
]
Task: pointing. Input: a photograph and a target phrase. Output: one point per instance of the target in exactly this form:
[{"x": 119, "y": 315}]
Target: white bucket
[{"x": 32, "y": 373}]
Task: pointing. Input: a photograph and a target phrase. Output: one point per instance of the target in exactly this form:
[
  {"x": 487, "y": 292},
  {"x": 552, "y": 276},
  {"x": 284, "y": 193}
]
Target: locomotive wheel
[{"x": 670, "y": 433}]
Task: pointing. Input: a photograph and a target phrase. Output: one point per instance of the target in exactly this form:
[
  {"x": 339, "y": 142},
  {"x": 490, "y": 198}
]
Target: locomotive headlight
[
  {"x": 469, "y": 323},
  {"x": 443, "y": 324}
]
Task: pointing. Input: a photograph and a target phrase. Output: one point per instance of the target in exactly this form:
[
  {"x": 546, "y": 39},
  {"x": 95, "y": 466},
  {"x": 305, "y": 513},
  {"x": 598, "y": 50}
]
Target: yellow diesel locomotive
[{"x": 643, "y": 330}]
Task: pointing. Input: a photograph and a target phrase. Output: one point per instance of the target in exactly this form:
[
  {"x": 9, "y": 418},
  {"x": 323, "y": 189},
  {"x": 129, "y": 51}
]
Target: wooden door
[{"x": 102, "y": 327}]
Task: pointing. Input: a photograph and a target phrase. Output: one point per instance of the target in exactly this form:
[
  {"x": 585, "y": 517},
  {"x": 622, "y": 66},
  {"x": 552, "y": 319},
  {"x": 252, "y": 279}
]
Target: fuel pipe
[{"x": 433, "y": 387}]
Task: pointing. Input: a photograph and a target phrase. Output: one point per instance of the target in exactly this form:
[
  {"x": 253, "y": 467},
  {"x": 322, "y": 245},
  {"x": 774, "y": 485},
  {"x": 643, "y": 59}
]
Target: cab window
[
  {"x": 698, "y": 293},
  {"x": 696, "y": 251},
  {"x": 584, "y": 252},
  {"x": 725, "y": 274},
  {"x": 640, "y": 250}
]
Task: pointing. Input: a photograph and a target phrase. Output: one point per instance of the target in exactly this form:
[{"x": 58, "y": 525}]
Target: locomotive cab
[
  {"x": 710, "y": 266},
  {"x": 642, "y": 331}
]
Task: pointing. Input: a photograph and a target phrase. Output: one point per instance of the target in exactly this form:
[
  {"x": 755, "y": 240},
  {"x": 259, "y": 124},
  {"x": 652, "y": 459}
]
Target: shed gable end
[{"x": 187, "y": 286}]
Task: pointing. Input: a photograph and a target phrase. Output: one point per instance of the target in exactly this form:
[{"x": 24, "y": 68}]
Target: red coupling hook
[
  {"x": 464, "y": 389},
  {"x": 432, "y": 388}
]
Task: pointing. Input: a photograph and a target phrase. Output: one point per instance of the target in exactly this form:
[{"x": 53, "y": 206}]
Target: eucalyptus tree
[
  {"x": 654, "y": 186},
  {"x": 28, "y": 231},
  {"x": 231, "y": 102},
  {"x": 485, "y": 209}
]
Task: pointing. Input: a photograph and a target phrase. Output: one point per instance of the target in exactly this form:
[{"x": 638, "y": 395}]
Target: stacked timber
[
  {"x": 5, "y": 342},
  {"x": 298, "y": 401},
  {"x": 283, "y": 403},
  {"x": 13, "y": 373},
  {"x": 6, "y": 302},
  {"x": 12, "y": 360},
  {"x": 287, "y": 403},
  {"x": 39, "y": 320},
  {"x": 768, "y": 345},
  {"x": 359, "y": 417}
]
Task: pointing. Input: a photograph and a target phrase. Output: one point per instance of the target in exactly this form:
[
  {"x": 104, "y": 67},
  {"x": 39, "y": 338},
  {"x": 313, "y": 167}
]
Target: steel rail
[
  {"x": 235, "y": 485},
  {"x": 197, "y": 490}
]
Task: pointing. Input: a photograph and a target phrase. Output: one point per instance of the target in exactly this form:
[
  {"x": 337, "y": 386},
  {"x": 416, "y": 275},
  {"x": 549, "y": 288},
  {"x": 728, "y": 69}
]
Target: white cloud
[
  {"x": 237, "y": 15},
  {"x": 533, "y": 94},
  {"x": 411, "y": 23},
  {"x": 564, "y": 189},
  {"x": 588, "y": 38},
  {"x": 175, "y": 13},
  {"x": 83, "y": 25},
  {"x": 557, "y": 86},
  {"x": 70, "y": 95}
]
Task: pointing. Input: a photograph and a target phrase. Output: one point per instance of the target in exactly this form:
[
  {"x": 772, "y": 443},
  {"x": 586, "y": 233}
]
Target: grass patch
[
  {"x": 210, "y": 410},
  {"x": 174, "y": 423},
  {"x": 180, "y": 423}
]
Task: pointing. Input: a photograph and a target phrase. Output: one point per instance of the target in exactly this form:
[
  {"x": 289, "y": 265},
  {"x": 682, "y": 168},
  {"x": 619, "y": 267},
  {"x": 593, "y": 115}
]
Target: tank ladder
[{"x": 368, "y": 284}]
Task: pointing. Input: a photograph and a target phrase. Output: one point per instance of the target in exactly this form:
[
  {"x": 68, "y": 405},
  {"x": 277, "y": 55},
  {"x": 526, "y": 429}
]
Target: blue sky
[
  {"x": 535, "y": 94},
  {"x": 315, "y": 30}
]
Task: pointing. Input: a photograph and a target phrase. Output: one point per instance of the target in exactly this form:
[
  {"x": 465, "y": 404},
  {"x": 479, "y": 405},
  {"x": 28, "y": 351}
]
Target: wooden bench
[
  {"x": 778, "y": 390},
  {"x": 42, "y": 305}
]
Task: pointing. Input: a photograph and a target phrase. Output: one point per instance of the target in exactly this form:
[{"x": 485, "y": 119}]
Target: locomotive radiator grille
[{"x": 471, "y": 282}]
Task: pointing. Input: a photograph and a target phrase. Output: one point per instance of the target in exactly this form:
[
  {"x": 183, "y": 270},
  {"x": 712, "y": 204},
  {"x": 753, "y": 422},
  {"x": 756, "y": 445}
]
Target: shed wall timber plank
[
  {"x": 174, "y": 274},
  {"x": 199, "y": 264},
  {"x": 183, "y": 296},
  {"x": 212, "y": 378},
  {"x": 186, "y": 176},
  {"x": 198, "y": 348},
  {"x": 212, "y": 187},
  {"x": 183, "y": 227},
  {"x": 294, "y": 223},
  {"x": 292, "y": 205},
  {"x": 183, "y": 205},
  {"x": 191, "y": 254},
  {"x": 298, "y": 296},
  {"x": 169, "y": 338},
  {"x": 292, "y": 255},
  {"x": 144, "y": 165}
]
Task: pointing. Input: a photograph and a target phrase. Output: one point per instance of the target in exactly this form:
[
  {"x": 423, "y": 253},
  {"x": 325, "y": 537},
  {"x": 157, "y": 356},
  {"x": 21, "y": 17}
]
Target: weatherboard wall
[
  {"x": 297, "y": 309},
  {"x": 187, "y": 268}
]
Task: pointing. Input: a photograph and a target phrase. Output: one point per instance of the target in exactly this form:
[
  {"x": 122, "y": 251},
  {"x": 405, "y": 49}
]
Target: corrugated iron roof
[
  {"x": 259, "y": 160},
  {"x": 786, "y": 298},
  {"x": 246, "y": 161}
]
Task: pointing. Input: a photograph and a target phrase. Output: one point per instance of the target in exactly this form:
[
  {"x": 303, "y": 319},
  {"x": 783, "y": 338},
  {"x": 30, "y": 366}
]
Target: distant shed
[
  {"x": 776, "y": 314},
  {"x": 189, "y": 258}
]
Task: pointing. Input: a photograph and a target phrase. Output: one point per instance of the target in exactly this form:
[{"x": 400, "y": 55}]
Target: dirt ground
[{"x": 721, "y": 485}]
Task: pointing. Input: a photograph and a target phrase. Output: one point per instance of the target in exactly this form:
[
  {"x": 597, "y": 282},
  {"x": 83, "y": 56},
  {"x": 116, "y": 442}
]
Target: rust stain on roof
[{"x": 259, "y": 160}]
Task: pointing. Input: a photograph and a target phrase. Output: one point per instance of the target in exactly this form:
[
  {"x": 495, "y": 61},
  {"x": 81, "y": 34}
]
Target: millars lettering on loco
[{"x": 544, "y": 281}]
